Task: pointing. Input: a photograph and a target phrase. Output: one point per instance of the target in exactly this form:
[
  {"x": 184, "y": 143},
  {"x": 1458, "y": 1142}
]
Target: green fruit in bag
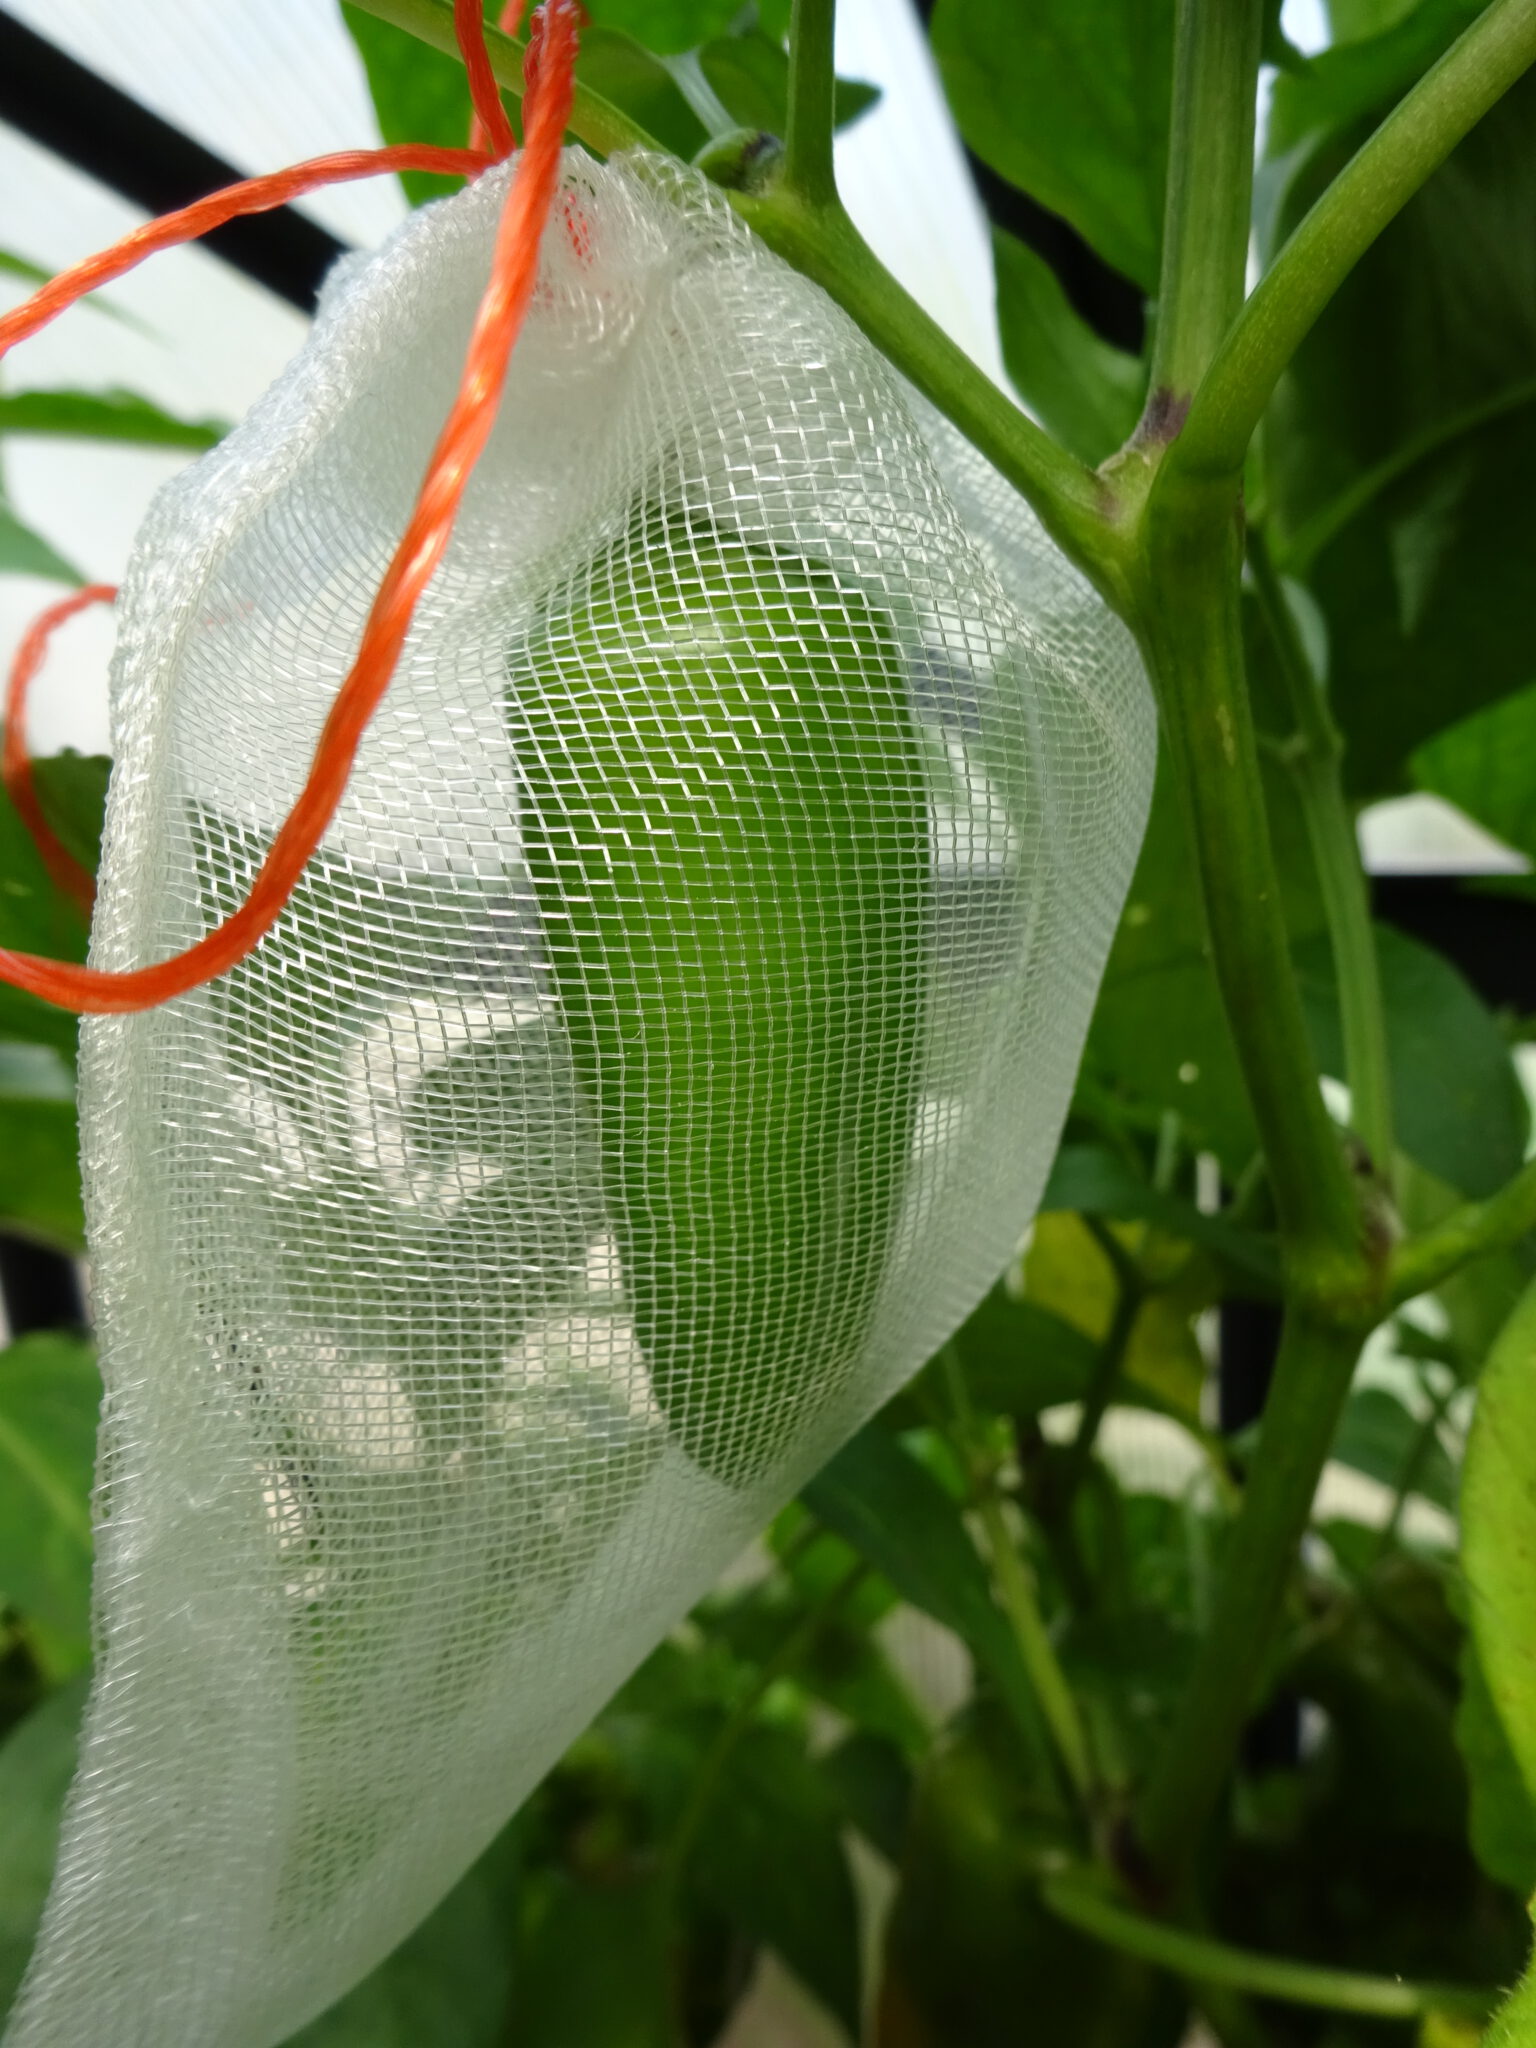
[{"x": 726, "y": 824}]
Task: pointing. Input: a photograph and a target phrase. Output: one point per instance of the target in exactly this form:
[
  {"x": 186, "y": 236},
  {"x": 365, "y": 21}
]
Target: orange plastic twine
[
  {"x": 16, "y": 763},
  {"x": 489, "y": 127},
  {"x": 498, "y": 321}
]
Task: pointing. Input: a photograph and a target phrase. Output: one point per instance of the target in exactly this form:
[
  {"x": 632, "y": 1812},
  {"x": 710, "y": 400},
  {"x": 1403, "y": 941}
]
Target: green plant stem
[
  {"x": 1017, "y": 1597},
  {"x": 1210, "y": 180},
  {"x": 1384, "y": 174},
  {"x": 1413, "y": 1465},
  {"x": 1187, "y": 614},
  {"x": 784, "y": 1659},
  {"x": 1083, "y": 1904},
  {"x": 1424, "y": 1262},
  {"x": 1313, "y": 757},
  {"x": 1192, "y": 638},
  {"x": 807, "y": 171},
  {"x": 1333, "y": 1258},
  {"x": 1106, "y": 1371},
  {"x": 1078, "y": 508},
  {"x": 1185, "y": 609},
  {"x": 1312, "y": 1377},
  {"x": 1014, "y": 1586}
]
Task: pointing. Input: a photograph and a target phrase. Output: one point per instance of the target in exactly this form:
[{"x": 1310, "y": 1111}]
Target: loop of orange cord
[
  {"x": 514, "y": 269},
  {"x": 16, "y": 763},
  {"x": 489, "y": 127}
]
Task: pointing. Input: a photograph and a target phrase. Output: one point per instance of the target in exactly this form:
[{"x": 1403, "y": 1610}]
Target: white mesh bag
[{"x": 660, "y": 1057}]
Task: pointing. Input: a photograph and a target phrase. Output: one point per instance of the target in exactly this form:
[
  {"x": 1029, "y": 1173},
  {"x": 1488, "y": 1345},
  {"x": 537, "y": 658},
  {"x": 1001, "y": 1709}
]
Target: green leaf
[
  {"x": 1019, "y": 1358},
  {"x": 446, "y": 1985},
  {"x": 750, "y": 76},
  {"x": 872, "y": 1782},
  {"x": 1379, "y": 1437},
  {"x": 1514, "y": 2024},
  {"x": 1088, "y": 394},
  {"x": 12, "y": 265},
  {"x": 419, "y": 95},
  {"x": 1357, "y": 1854},
  {"x": 114, "y": 415},
  {"x": 1486, "y": 766},
  {"x": 35, "y": 917},
  {"x": 879, "y": 1499},
  {"x": 1128, "y": 1672},
  {"x": 971, "y": 1958},
  {"x": 25, "y": 553},
  {"x": 1097, "y": 1182},
  {"x": 1159, "y": 1032},
  {"x": 1069, "y": 100},
  {"x": 769, "y": 1854},
  {"x": 40, "y": 1171},
  {"x": 1503, "y": 1812},
  {"x": 666, "y": 26},
  {"x": 1401, "y": 442},
  {"x": 1459, "y": 1107},
  {"x": 37, "y": 1762},
  {"x": 594, "y": 1966},
  {"x": 626, "y": 73},
  {"x": 1066, "y": 1269},
  {"x": 1376, "y": 63},
  {"x": 1498, "y": 1533},
  {"x": 841, "y": 1663},
  {"x": 1351, "y": 18},
  {"x": 50, "y": 1397}
]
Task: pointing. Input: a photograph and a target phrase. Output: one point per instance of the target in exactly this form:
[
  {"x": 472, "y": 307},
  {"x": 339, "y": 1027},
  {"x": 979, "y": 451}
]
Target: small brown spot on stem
[{"x": 1165, "y": 414}]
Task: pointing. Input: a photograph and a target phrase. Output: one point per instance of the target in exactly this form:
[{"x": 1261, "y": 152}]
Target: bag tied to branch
[{"x": 660, "y": 1057}]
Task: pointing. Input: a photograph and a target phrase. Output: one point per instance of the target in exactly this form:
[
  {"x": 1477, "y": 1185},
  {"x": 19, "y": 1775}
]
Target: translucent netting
[{"x": 663, "y": 1054}]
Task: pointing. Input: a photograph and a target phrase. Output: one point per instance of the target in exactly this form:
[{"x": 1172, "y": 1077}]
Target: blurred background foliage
[{"x": 820, "y": 1811}]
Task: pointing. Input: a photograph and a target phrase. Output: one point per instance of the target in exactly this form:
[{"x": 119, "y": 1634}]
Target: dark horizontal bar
[{"x": 66, "y": 108}]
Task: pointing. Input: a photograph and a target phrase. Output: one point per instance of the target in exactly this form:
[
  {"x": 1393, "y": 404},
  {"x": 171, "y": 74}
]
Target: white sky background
[{"x": 264, "y": 86}]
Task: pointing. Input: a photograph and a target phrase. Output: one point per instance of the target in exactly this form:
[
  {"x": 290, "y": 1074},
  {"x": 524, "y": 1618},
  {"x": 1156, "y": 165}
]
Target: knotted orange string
[{"x": 498, "y": 321}]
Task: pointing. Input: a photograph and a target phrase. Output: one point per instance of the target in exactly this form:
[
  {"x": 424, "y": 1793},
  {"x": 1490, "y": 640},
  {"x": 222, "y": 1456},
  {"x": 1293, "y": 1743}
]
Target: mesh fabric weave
[{"x": 661, "y": 1057}]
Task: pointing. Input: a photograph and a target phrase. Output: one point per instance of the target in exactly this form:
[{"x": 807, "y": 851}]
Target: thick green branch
[
  {"x": 1427, "y": 1260},
  {"x": 1191, "y": 631},
  {"x": 1374, "y": 186},
  {"x": 1204, "y": 1961},
  {"x": 1077, "y": 508},
  {"x": 1210, "y": 182},
  {"x": 807, "y": 169},
  {"x": 1313, "y": 758},
  {"x": 1312, "y": 1377}
]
